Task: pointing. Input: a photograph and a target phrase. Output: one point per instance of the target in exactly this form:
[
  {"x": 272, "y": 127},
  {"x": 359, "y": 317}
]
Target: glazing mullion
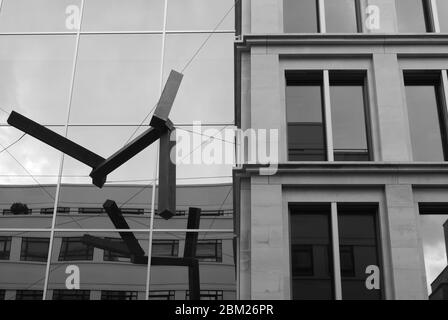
[
  {"x": 321, "y": 16},
  {"x": 335, "y": 250},
  {"x": 327, "y": 116},
  {"x": 61, "y": 162},
  {"x": 434, "y": 16}
]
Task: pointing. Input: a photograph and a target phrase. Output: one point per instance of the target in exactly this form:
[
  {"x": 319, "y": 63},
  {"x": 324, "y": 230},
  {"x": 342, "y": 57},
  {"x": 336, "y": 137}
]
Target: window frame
[
  {"x": 217, "y": 257},
  {"x": 66, "y": 294},
  {"x": 113, "y": 295},
  {"x": 63, "y": 252},
  {"x": 24, "y": 254},
  {"x": 5, "y": 247}
]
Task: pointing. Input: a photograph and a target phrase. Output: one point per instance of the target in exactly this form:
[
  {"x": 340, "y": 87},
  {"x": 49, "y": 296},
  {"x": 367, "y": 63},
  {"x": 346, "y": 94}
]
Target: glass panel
[
  {"x": 35, "y": 76},
  {"x": 119, "y": 15},
  {"x": 22, "y": 264},
  {"x": 200, "y": 14},
  {"x": 117, "y": 79},
  {"x": 216, "y": 277},
  {"x": 434, "y": 230},
  {"x": 312, "y": 275},
  {"x": 340, "y": 16},
  {"x": 306, "y": 135},
  {"x": 215, "y": 202},
  {"x": 300, "y": 16},
  {"x": 442, "y": 8},
  {"x": 349, "y": 122},
  {"x": 37, "y": 15},
  {"x": 423, "y": 111},
  {"x": 358, "y": 239},
  {"x": 99, "y": 278},
  {"x": 203, "y": 96},
  {"x": 411, "y": 16}
]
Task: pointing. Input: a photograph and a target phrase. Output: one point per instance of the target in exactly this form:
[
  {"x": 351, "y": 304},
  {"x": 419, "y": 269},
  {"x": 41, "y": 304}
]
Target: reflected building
[
  {"x": 104, "y": 274},
  {"x": 357, "y": 91},
  {"x": 440, "y": 284}
]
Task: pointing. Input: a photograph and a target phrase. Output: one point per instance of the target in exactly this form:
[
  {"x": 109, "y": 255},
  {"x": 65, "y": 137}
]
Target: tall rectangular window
[
  {"x": 348, "y": 112},
  {"x": 34, "y": 249},
  {"x": 311, "y": 262},
  {"x": 442, "y": 8},
  {"x": 73, "y": 249},
  {"x": 427, "y": 115},
  {"x": 5, "y": 248},
  {"x": 300, "y": 16},
  {"x": 341, "y": 16},
  {"x": 413, "y": 16},
  {"x": 305, "y": 114},
  {"x": 359, "y": 250}
]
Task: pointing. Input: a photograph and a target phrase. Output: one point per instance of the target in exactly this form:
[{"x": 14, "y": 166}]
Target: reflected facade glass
[
  {"x": 341, "y": 16},
  {"x": 442, "y": 9},
  {"x": 300, "y": 16},
  {"x": 412, "y": 16},
  {"x": 426, "y": 116},
  {"x": 124, "y": 57}
]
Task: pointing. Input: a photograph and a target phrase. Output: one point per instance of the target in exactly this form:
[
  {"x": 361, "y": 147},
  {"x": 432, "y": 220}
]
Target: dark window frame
[
  {"x": 46, "y": 211},
  {"x": 64, "y": 294},
  {"x": 162, "y": 295},
  {"x": 2, "y": 294},
  {"x": 214, "y": 294},
  {"x": 433, "y": 78},
  {"x": 65, "y": 255},
  {"x": 300, "y": 272},
  {"x": 119, "y": 295},
  {"x": 29, "y": 294},
  {"x": 24, "y": 252},
  {"x": 217, "y": 256},
  {"x": 5, "y": 247}
]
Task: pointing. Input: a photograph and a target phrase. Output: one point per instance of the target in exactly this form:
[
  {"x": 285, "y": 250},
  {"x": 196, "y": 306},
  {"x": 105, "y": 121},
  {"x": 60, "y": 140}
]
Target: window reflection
[
  {"x": 358, "y": 239},
  {"x": 442, "y": 8},
  {"x": 300, "y": 16},
  {"x": 424, "y": 102},
  {"x": 347, "y": 94},
  {"x": 341, "y": 16},
  {"x": 312, "y": 277},
  {"x": 304, "y": 103},
  {"x": 412, "y": 16}
]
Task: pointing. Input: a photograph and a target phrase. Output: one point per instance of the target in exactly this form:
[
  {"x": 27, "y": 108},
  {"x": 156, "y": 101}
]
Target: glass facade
[{"x": 92, "y": 70}]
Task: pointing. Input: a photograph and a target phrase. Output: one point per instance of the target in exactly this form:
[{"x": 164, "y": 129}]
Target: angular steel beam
[
  {"x": 166, "y": 100},
  {"x": 119, "y": 222},
  {"x": 167, "y": 177},
  {"x": 53, "y": 139},
  {"x": 191, "y": 238},
  {"x": 99, "y": 174}
]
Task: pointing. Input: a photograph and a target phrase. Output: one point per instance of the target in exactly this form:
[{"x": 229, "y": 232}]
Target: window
[
  {"x": 304, "y": 103},
  {"x": 73, "y": 249},
  {"x": 427, "y": 115},
  {"x": 300, "y": 16},
  {"x": 341, "y": 16},
  {"x": 29, "y": 294},
  {"x": 349, "y": 116},
  {"x": 5, "y": 248},
  {"x": 34, "y": 249},
  {"x": 162, "y": 295},
  {"x": 302, "y": 260},
  {"x": 310, "y": 248},
  {"x": 312, "y": 261},
  {"x": 412, "y": 16},
  {"x": 442, "y": 8},
  {"x": 165, "y": 248},
  {"x": 207, "y": 295},
  {"x": 119, "y": 295},
  {"x": 359, "y": 249},
  {"x": 2, "y": 294},
  {"x": 348, "y": 112},
  {"x": 160, "y": 248},
  {"x": 59, "y": 210},
  {"x": 71, "y": 294},
  {"x": 136, "y": 211},
  {"x": 91, "y": 210},
  {"x": 209, "y": 250}
]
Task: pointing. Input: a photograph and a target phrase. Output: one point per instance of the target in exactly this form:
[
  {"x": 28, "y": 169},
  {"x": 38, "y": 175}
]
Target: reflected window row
[
  {"x": 355, "y": 16},
  {"x": 350, "y": 116},
  {"x": 61, "y": 294},
  {"x": 74, "y": 249}
]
